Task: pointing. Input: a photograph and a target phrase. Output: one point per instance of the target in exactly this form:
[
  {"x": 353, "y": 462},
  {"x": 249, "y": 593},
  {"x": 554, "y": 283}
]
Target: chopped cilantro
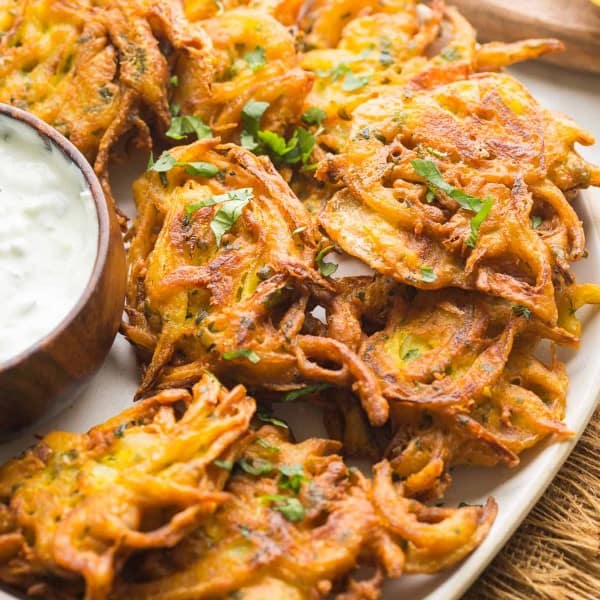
[
  {"x": 429, "y": 171},
  {"x": 427, "y": 274},
  {"x": 181, "y": 127},
  {"x": 266, "y": 418},
  {"x": 256, "y": 58},
  {"x": 264, "y": 444},
  {"x": 437, "y": 153},
  {"x": 166, "y": 162},
  {"x": 536, "y": 221},
  {"x": 256, "y": 467},
  {"x": 354, "y": 82},
  {"x": 521, "y": 311},
  {"x": 224, "y": 464},
  {"x": 305, "y": 391},
  {"x": 174, "y": 81},
  {"x": 242, "y": 353},
  {"x": 326, "y": 268},
  {"x": 290, "y": 508},
  {"x": 291, "y": 477},
  {"x": 314, "y": 116},
  {"x": 411, "y": 355},
  {"x": 478, "y": 219},
  {"x": 295, "y": 150}
]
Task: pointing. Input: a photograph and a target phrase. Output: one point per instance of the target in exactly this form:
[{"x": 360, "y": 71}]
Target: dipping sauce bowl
[{"x": 40, "y": 375}]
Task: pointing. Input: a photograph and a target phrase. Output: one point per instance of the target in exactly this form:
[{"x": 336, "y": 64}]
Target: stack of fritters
[{"x": 372, "y": 129}]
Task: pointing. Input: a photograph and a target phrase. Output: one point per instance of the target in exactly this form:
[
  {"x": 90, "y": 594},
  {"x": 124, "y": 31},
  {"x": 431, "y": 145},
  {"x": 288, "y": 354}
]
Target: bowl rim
[{"x": 103, "y": 218}]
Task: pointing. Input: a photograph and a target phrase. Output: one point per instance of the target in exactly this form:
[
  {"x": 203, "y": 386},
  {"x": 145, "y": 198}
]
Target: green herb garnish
[
  {"x": 181, "y": 127},
  {"x": 224, "y": 464},
  {"x": 385, "y": 47},
  {"x": 305, "y": 391},
  {"x": 290, "y": 508},
  {"x": 256, "y": 58},
  {"x": 521, "y": 311},
  {"x": 477, "y": 220},
  {"x": 291, "y": 478},
  {"x": 429, "y": 171},
  {"x": 242, "y": 353},
  {"x": 427, "y": 274},
  {"x": 264, "y": 444},
  {"x": 351, "y": 81},
  {"x": 166, "y": 162},
  {"x": 536, "y": 221},
  {"x": 266, "y": 418},
  {"x": 257, "y": 468},
  {"x": 314, "y": 116},
  {"x": 260, "y": 141},
  {"x": 326, "y": 268},
  {"x": 411, "y": 355}
]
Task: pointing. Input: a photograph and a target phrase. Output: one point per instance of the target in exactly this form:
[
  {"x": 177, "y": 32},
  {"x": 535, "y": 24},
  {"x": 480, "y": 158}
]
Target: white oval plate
[{"x": 515, "y": 490}]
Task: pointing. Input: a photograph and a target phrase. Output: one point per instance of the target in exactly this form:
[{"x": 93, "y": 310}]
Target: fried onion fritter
[
  {"x": 459, "y": 186},
  {"x": 239, "y": 306},
  {"x": 96, "y": 71},
  {"x": 297, "y": 524},
  {"x": 76, "y": 505}
]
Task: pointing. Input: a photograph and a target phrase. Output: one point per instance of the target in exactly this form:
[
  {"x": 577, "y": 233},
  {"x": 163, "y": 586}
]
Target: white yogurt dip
[{"x": 48, "y": 236}]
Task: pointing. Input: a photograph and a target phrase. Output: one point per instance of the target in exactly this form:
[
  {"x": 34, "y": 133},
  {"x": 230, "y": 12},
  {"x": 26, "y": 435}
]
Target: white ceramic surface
[{"x": 517, "y": 490}]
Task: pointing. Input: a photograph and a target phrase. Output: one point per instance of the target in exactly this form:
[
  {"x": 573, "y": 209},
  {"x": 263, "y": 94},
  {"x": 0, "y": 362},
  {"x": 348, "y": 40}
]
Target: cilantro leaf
[
  {"x": 521, "y": 311},
  {"x": 264, "y": 444},
  {"x": 290, "y": 508},
  {"x": 437, "y": 153},
  {"x": 354, "y": 82},
  {"x": 242, "y": 353},
  {"x": 429, "y": 171},
  {"x": 256, "y": 467},
  {"x": 256, "y": 58},
  {"x": 427, "y": 274},
  {"x": 181, "y": 127},
  {"x": 260, "y": 141},
  {"x": 266, "y": 418},
  {"x": 326, "y": 268},
  {"x": 166, "y": 162},
  {"x": 200, "y": 168},
  {"x": 536, "y": 221},
  {"x": 291, "y": 478},
  {"x": 478, "y": 219},
  {"x": 411, "y": 355},
  {"x": 224, "y": 464},
  {"x": 252, "y": 113},
  {"x": 305, "y": 391},
  {"x": 314, "y": 116}
]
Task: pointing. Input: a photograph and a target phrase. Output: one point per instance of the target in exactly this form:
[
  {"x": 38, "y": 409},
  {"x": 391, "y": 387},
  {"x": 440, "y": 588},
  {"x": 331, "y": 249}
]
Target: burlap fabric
[{"x": 555, "y": 554}]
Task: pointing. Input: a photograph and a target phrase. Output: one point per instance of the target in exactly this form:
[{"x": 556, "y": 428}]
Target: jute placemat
[{"x": 555, "y": 554}]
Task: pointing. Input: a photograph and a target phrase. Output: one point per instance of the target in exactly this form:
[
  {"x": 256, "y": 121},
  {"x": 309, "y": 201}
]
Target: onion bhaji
[
  {"x": 298, "y": 524},
  {"x": 96, "y": 71},
  {"x": 76, "y": 505},
  {"x": 235, "y": 303}
]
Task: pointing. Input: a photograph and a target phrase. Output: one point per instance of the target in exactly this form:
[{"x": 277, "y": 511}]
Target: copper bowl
[{"x": 42, "y": 379}]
